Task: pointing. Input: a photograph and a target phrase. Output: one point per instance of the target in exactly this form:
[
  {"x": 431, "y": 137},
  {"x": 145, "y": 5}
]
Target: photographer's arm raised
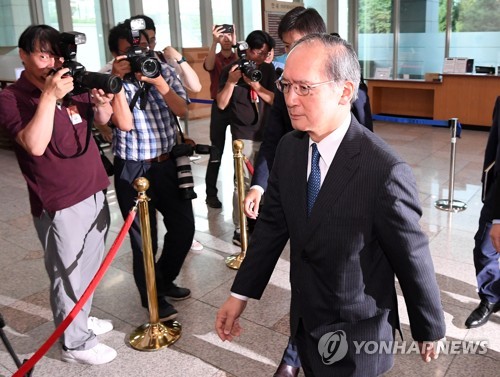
[
  {"x": 188, "y": 76},
  {"x": 35, "y": 137},
  {"x": 224, "y": 96}
]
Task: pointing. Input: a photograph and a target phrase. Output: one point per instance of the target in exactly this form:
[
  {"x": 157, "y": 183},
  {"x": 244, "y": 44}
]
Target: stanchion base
[
  {"x": 155, "y": 336},
  {"x": 234, "y": 261},
  {"x": 456, "y": 205}
]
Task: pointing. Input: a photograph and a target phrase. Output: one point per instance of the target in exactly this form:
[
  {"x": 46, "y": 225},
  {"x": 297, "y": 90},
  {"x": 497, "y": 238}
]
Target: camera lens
[
  {"x": 108, "y": 83},
  {"x": 185, "y": 178},
  {"x": 255, "y": 75},
  {"x": 150, "y": 67},
  {"x": 249, "y": 69}
]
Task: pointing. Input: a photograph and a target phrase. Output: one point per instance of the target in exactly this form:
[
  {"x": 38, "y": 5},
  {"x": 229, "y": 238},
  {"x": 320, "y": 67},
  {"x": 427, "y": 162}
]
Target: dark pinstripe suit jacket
[
  {"x": 363, "y": 230},
  {"x": 491, "y": 208}
]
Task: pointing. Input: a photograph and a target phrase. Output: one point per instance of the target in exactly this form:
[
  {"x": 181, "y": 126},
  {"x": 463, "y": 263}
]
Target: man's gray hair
[{"x": 342, "y": 64}]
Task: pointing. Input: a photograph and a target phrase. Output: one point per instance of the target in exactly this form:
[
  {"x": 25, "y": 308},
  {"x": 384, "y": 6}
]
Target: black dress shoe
[
  {"x": 285, "y": 370},
  {"x": 213, "y": 202},
  {"x": 481, "y": 314},
  {"x": 166, "y": 311},
  {"x": 175, "y": 293}
]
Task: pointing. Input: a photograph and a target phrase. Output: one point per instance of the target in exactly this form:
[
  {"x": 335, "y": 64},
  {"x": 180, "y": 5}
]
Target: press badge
[{"x": 74, "y": 115}]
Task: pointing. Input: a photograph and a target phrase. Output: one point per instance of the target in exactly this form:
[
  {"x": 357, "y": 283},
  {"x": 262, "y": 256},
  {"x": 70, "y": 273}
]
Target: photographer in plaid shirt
[{"x": 144, "y": 151}]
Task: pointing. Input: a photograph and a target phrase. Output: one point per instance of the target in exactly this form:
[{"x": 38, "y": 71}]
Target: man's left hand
[
  {"x": 429, "y": 350},
  {"x": 495, "y": 236},
  {"x": 99, "y": 98}
]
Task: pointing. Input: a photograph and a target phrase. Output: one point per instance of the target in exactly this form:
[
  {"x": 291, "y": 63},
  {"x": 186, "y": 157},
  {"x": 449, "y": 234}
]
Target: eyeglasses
[
  {"x": 299, "y": 89},
  {"x": 261, "y": 53}
]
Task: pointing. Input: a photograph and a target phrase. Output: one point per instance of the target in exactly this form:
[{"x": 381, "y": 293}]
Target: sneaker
[
  {"x": 166, "y": 311},
  {"x": 213, "y": 202},
  {"x": 196, "y": 246},
  {"x": 237, "y": 238},
  {"x": 99, "y": 326},
  {"x": 176, "y": 293},
  {"x": 99, "y": 354}
]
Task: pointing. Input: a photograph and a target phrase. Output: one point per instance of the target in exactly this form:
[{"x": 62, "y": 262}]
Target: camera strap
[
  {"x": 179, "y": 129},
  {"x": 142, "y": 94},
  {"x": 90, "y": 122}
]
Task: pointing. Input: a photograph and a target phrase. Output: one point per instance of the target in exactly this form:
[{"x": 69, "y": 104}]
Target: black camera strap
[
  {"x": 181, "y": 134},
  {"x": 90, "y": 121},
  {"x": 142, "y": 93}
]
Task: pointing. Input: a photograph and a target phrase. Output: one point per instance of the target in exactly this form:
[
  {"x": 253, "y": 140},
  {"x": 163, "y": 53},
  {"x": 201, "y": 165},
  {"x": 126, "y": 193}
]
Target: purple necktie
[{"x": 314, "y": 182}]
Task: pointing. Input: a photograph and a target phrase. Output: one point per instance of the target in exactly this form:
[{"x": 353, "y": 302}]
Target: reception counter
[{"x": 470, "y": 98}]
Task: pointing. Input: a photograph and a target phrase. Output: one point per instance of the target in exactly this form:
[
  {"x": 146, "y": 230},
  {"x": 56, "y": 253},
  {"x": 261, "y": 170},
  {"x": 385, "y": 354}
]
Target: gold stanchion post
[
  {"x": 153, "y": 335},
  {"x": 234, "y": 261}
]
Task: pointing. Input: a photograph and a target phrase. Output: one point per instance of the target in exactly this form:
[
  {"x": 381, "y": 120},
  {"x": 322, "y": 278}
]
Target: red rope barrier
[
  {"x": 28, "y": 365},
  {"x": 248, "y": 164}
]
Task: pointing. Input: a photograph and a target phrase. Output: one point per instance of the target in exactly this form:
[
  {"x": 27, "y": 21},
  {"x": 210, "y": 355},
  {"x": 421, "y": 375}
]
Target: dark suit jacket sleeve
[
  {"x": 493, "y": 154},
  {"x": 361, "y": 108},
  {"x": 266, "y": 244},
  {"x": 407, "y": 248},
  {"x": 276, "y": 125}
]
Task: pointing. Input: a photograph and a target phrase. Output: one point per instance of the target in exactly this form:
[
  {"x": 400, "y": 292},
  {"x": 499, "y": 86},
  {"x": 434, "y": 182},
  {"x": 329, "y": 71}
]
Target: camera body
[
  {"x": 141, "y": 60},
  {"x": 248, "y": 67},
  {"x": 82, "y": 79},
  {"x": 181, "y": 153},
  {"x": 227, "y": 28}
]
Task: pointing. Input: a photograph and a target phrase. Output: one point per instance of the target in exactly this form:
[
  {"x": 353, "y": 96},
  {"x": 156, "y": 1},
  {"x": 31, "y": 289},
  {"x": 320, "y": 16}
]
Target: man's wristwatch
[{"x": 181, "y": 60}]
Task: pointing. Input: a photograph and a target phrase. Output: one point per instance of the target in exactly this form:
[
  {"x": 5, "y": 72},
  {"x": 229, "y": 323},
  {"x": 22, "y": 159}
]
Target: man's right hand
[
  {"x": 58, "y": 85},
  {"x": 234, "y": 75},
  {"x": 227, "y": 322},
  {"x": 218, "y": 35},
  {"x": 121, "y": 66},
  {"x": 251, "y": 203}
]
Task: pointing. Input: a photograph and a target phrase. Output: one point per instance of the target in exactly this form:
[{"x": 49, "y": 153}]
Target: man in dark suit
[
  {"x": 295, "y": 24},
  {"x": 487, "y": 243},
  {"x": 349, "y": 243}
]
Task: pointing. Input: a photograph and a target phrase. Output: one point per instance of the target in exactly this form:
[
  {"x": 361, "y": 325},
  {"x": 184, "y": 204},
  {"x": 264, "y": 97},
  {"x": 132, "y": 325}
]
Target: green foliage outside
[{"x": 467, "y": 16}]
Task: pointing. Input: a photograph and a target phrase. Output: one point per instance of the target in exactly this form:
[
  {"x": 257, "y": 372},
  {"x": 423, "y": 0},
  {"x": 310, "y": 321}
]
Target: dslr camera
[
  {"x": 248, "y": 67},
  {"x": 141, "y": 59},
  {"x": 181, "y": 153},
  {"x": 82, "y": 79}
]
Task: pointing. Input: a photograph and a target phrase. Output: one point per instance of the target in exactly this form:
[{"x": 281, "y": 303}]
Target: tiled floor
[{"x": 24, "y": 283}]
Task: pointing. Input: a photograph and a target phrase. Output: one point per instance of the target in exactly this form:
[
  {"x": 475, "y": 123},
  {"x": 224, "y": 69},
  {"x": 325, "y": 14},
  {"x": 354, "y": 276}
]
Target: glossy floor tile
[{"x": 24, "y": 301}]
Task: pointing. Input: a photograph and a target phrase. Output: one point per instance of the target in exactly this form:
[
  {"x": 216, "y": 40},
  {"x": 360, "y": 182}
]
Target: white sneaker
[
  {"x": 99, "y": 354},
  {"x": 99, "y": 326},
  {"x": 196, "y": 246}
]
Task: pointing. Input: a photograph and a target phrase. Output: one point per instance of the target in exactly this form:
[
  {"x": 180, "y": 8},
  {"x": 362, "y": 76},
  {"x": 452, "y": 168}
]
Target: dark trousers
[
  {"x": 485, "y": 256},
  {"x": 219, "y": 120},
  {"x": 177, "y": 216},
  {"x": 291, "y": 354}
]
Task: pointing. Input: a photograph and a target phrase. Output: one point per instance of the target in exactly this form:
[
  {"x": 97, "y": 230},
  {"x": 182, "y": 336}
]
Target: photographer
[
  {"x": 219, "y": 119},
  {"x": 65, "y": 178},
  {"x": 155, "y": 97},
  {"x": 246, "y": 88}
]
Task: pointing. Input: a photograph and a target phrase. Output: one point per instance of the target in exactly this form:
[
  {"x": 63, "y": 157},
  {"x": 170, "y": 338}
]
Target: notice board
[{"x": 272, "y": 13}]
